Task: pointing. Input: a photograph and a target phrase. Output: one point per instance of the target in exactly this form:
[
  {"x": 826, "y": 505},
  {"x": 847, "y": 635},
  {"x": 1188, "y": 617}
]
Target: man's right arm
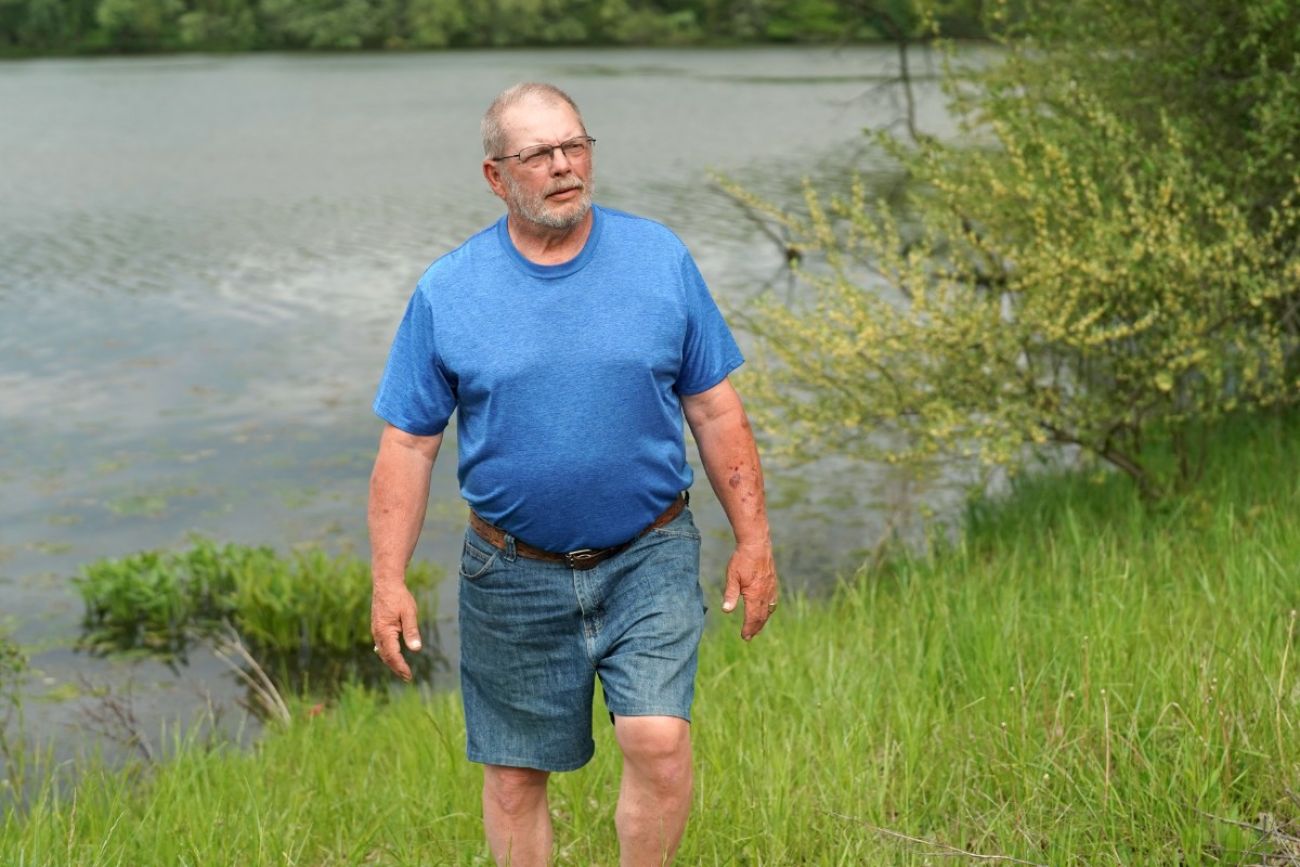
[{"x": 399, "y": 495}]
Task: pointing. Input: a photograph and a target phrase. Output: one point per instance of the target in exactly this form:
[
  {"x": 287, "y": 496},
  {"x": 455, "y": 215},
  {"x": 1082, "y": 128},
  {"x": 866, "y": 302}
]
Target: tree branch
[{"x": 945, "y": 850}]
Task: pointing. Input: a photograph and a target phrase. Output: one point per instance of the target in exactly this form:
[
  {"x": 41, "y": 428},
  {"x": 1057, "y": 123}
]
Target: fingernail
[
  {"x": 415, "y": 645},
  {"x": 727, "y": 606}
]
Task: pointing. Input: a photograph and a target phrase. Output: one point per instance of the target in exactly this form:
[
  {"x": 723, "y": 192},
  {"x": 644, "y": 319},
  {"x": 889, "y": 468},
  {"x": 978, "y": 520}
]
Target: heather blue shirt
[{"x": 566, "y": 377}]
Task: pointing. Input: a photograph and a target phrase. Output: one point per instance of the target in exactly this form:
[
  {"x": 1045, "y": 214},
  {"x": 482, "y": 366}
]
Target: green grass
[{"x": 1081, "y": 680}]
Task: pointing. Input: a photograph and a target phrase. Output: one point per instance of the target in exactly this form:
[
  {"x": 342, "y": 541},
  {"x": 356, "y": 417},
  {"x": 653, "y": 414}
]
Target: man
[{"x": 571, "y": 339}]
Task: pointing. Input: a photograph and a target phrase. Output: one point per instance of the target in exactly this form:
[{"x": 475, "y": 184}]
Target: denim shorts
[{"x": 535, "y": 635}]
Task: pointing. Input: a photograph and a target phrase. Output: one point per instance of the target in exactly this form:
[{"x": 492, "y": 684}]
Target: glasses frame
[{"x": 550, "y": 151}]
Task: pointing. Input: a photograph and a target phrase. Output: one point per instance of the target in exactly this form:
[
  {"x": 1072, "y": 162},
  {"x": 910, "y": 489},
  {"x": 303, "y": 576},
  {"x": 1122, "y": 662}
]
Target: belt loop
[{"x": 509, "y": 550}]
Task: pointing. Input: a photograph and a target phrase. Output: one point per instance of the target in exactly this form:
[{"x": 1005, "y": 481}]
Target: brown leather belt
[{"x": 583, "y": 558}]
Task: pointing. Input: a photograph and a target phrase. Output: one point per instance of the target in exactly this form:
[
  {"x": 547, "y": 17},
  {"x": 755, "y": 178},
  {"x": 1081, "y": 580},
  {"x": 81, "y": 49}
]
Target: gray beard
[{"x": 538, "y": 212}]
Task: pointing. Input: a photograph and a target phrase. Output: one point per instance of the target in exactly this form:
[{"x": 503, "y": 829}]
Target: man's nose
[{"x": 560, "y": 164}]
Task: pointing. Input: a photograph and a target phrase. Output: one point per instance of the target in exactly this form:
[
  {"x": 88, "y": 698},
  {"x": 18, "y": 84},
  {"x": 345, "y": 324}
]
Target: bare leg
[
  {"x": 654, "y": 798},
  {"x": 515, "y": 816}
]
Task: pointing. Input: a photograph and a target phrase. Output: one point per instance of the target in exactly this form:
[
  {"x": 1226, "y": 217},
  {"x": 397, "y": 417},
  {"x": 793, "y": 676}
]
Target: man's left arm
[{"x": 726, "y": 442}]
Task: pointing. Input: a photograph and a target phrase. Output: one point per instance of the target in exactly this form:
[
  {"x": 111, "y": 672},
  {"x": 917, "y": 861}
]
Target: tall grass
[{"x": 1081, "y": 679}]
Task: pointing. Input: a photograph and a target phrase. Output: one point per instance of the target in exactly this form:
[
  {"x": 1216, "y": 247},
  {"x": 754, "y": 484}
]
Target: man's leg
[
  {"x": 515, "y": 816},
  {"x": 654, "y": 798}
]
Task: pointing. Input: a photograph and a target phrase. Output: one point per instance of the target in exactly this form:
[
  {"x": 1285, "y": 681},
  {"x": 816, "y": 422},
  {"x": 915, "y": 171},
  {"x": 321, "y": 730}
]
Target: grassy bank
[{"x": 1082, "y": 680}]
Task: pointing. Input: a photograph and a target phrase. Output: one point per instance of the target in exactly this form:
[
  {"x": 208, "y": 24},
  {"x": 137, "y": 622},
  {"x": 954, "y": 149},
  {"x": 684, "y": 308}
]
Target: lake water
[{"x": 202, "y": 261}]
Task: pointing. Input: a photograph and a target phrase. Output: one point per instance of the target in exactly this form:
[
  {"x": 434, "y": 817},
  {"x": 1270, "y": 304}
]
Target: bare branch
[
  {"x": 227, "y": 645},
  {"x": 1265, "y": 830},
  {"x": 113, "y": 716},
  {"x": 945, "y": 851},
  {"x": 884, "y": 19},
  {"x": 785, "y": 245}
]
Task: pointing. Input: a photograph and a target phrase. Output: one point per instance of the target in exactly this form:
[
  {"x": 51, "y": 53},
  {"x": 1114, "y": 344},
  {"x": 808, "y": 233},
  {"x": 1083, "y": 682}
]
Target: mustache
[{"x": 564, "y": 187}]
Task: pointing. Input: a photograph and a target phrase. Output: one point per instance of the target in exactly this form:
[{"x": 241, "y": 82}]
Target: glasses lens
[
  {"x": 575, "y": 148},
  {"x": 535, "y": 155}
]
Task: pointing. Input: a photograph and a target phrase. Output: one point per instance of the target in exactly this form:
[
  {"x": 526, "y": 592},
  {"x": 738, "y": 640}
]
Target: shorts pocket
[
  {"x": 681, "y": 527},
  {"x": 475, "y": 563}
]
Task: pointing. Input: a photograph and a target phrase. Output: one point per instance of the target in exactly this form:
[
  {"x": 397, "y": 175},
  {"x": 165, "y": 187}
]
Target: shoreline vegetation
[
  {"x": 44, "y": 28},
  {"x": 1083, "y": 677}
]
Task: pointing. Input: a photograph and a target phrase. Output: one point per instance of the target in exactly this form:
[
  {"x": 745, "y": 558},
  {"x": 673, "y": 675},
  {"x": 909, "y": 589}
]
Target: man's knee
[
  {"x": 659, "y": 746},
  {"x": 514, "y": 791}
]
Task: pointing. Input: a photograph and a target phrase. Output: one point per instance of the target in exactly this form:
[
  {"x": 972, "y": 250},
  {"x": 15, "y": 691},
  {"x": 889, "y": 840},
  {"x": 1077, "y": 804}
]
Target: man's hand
[
  {"x": 392, "y": 613},
  {"x": 399, "y": 493},
  {"x": 751, "y": 575},
  {"x": 730, "y": 458}
]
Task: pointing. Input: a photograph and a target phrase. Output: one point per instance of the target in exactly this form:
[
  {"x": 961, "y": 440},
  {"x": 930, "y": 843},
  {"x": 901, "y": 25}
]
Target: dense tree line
[{"x": 39, "y": 26}]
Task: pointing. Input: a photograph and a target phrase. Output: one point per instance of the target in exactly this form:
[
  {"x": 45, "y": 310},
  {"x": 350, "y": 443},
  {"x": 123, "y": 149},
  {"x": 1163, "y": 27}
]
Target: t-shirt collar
[{"x": 563, "y": 269}]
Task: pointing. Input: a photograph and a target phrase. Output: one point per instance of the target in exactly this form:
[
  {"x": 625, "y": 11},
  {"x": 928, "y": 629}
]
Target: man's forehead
[{"x": 538, "y": 116}]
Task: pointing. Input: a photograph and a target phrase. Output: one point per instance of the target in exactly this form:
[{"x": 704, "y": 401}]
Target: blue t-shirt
[{"x": 566, "y": 377}]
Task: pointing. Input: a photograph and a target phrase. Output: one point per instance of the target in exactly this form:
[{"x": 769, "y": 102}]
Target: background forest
[{"x": 40, "y": 26}]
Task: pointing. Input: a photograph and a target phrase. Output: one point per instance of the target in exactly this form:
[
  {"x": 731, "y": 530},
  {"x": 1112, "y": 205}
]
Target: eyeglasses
[{"x": 539, "y": 155}]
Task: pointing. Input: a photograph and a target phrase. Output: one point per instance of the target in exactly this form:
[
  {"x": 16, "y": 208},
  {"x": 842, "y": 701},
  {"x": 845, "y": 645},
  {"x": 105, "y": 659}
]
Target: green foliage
[
  {"x": 1081, "y": 680},
  {"x": 13, "y": 742},
  {"x": 1224, "y": 75},
  {"x": 13, "y": 663},
  {"x": 1227, "y": 74},
  {"x": 625, "y": 23},
  {"x": 219, "y": 24},
  {"x": 47, "y": 24},
  {"x": 436, "y": 23},
  {"x": 1080, "y": 278},
  {"x": 133, "y": 25},
  {"x": 305, "y": 617},
  {"x": 805, "y": 19},
  {"x": 138, "y": 24},
  {"x": 328, "y": 23}
]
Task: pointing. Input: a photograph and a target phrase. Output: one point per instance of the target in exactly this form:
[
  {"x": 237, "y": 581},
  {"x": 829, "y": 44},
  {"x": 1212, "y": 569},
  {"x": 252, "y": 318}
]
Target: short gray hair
[{"x": 494, "y": 134}]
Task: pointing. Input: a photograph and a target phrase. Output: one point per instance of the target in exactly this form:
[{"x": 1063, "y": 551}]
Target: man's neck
[{"x": 543, "y": 245}]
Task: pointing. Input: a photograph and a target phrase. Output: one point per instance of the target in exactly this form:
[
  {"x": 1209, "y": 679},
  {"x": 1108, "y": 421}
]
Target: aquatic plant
[{"x": 304, "y": 616}]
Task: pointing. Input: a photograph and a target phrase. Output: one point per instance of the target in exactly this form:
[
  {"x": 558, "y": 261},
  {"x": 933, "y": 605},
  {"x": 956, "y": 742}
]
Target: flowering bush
[{"x": 1078, "y": 278}]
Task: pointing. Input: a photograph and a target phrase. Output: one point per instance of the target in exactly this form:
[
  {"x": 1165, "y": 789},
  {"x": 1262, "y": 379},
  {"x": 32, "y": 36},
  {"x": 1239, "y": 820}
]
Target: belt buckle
[{"x": 575, "y": 559}]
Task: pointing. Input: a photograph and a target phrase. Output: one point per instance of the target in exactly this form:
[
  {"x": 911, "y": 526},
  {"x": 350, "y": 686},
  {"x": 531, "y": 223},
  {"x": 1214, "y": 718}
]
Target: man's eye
[
  {"x": 534, "y": 156},
  {"x": 575, "y": 148}
]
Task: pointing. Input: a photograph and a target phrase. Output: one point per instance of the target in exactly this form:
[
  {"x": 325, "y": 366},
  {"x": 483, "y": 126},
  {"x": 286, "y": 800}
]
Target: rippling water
[{"x": 202, "y": 261}]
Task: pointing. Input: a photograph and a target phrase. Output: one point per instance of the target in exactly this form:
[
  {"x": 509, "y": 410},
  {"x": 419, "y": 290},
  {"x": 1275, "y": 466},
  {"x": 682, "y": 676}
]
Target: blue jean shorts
[{"x": 535, "y": 635}]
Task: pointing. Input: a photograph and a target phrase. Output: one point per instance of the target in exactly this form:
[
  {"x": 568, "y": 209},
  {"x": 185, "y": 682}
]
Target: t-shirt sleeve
[
  {"x": 415, "y": 394},
  {"x": 710, "y": 352}
]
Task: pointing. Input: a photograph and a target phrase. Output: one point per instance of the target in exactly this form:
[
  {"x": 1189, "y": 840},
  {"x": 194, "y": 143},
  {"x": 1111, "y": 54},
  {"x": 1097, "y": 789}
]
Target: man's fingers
[
  {"x": 392, "y": 614},
  {"x": 391, "y": 654},
  {"x": 731, "y": 592},
  {"x": 753, "y": 577},
  {"x": 756, "y": 614},
  {"x": 411, "y": 632}
]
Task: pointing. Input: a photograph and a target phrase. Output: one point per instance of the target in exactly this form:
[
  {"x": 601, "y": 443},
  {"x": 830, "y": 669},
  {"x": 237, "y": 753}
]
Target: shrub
[{"x": 1077, "y": 278}]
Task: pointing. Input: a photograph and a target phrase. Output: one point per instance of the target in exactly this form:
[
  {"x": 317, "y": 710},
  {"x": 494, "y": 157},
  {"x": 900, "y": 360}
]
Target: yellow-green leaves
[{"x": 1080, "y": 283}]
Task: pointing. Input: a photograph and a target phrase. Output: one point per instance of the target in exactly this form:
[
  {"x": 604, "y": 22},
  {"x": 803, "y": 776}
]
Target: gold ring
[
  {"x": 771, "y": 605},
  {"x": 376, "y": 648}
]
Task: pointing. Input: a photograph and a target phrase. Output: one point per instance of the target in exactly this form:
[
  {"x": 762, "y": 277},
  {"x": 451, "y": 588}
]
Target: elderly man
[{"x": 572, "y": 339}]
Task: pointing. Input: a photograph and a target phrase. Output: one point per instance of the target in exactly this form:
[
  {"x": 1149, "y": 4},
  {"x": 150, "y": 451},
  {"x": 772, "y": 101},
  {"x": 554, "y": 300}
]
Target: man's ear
[{"x": 492, "y": 174}]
